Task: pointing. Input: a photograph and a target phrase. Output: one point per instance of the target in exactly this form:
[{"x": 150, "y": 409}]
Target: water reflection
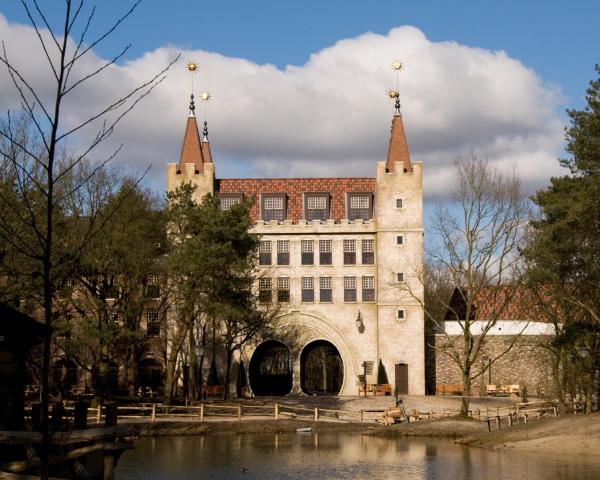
[{"x": 348, "y": 456}]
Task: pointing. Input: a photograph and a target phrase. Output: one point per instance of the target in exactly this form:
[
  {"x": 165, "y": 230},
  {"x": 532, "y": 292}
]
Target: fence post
[
  {"x": 99, "y": 414},
  {"x": 316, "y": 414},
  {"x": 498, "y": 422},
  {"x": 478, "y": 414},
  {"x": 202, "y": 411},
  {"x": 489, "y": 424},
  {"x": 239, "y": 411},
  {"x": 361, "y": 416},
  {"x": 153, "y": 412},
  {"x": 510, "y": 419},
  {"x": 276, "y": 411},
  {"x": 525, "y": 417},
  {"x": 555, "y": 410}
]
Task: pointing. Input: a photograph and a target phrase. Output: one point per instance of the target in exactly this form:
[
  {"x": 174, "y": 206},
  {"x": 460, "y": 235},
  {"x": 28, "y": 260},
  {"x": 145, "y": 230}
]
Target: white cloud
[{"x": 331, "y": 116}]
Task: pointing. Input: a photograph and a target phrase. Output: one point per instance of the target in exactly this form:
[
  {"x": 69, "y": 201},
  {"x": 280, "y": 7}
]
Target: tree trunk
[
  {"x": 466, "y": 396},
  {"x": 227, "y": 374}
]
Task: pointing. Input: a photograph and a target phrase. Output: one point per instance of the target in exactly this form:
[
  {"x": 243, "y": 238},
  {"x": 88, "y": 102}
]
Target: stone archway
[
  {"x": 321, "y": 369},
  {"x": 271, "y": 369}
]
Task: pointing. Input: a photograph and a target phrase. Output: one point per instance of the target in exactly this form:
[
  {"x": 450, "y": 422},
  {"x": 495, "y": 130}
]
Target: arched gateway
[
  {"x": 271, "y": 369},
  {"x": 321, "y": 369}
]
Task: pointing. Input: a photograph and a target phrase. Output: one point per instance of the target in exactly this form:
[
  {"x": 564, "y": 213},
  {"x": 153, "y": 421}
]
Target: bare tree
[
  {"x": 33, "y": 159},
  {"x": 474, "y": 248}
]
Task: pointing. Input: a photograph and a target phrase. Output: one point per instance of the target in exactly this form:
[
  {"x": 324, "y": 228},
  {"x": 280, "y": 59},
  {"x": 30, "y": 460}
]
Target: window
[
  {"x": 283, "y": 289},
  {"x": 325, "y": 252},
  {"x": 273, "y": 206},
  {"x": 264, "y": 252},
  {"x": 400, "y": 277},
  {"x": 316, "y": 206},
  {"x": 360, "y": 206},
  {"x": 308, "y": 289},
  {"x": 283, "y": 252},
  {"x": 152, "y": 287},
  {"x": 368, "y": 254},
  {"x": 349, "y": 252},
  {"x": 368, "y": 289},
  {"x": 325, "y": 290},
  {"x": 400, "y": 314},
  {"x": 227, "y": 200},
  {"x": 349, "y": 289},
  {"x": 400, "y": 240},
  {"x": 152, "y": 321},
  {"x": 399, "y": 203},
  {"x": 264, "y": 290},
  {"x": 308, "y": 256}
]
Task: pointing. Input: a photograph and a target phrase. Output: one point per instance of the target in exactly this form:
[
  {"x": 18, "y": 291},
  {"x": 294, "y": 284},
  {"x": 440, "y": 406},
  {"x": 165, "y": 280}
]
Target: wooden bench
[
  {"x": 375, "y": 389},
  {"x": 449, "y": 389},
  {"x": 213, "y": 391}
]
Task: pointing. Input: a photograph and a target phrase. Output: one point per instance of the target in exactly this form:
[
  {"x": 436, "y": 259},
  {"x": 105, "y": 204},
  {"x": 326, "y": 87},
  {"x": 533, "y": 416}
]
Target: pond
[{"x": 332, "y": 456}]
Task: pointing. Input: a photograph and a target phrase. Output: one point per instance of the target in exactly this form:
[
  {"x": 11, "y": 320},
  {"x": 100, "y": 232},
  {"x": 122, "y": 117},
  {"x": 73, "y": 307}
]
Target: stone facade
[{"x": 381, "y": 322}]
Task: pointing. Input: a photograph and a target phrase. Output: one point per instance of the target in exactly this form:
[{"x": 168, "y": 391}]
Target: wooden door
[{"x": 401, "y": 378}]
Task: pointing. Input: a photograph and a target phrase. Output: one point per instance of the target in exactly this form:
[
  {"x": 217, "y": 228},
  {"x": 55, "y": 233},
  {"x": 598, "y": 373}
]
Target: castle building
[{"x": 334, "y": 253}]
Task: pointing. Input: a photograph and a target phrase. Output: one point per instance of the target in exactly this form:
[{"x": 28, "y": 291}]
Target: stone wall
[{"x": 527, "y": 364}]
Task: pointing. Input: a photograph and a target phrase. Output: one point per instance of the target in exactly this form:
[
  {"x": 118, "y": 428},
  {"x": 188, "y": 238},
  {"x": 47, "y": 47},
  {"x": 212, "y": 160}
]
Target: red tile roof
[
  {"x": 398, "y": 148},
  {"x": 295, "y": 187}
]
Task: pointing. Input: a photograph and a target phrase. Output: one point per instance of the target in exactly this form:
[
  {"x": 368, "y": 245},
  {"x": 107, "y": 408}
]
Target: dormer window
[
  {"x": 227, "y": 200},
  {"x": 360, "y": 206},
  {"x": 316, "y": 206},
  {"x": 273, "y": 206}
]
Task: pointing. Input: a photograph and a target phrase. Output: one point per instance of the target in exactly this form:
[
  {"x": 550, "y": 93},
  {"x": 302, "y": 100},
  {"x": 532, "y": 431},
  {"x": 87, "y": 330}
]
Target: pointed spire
[
  {"x": 191, "y": 151},
  {"x": 398, "y": 149},
  {"x": 206, "y": 153}
]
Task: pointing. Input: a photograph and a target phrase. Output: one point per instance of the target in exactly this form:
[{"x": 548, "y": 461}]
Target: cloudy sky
[{"x": 299, "y": 88}]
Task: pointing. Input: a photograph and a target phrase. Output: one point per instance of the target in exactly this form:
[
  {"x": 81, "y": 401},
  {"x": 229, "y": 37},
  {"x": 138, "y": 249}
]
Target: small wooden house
[{"x": 18, "y": 334}]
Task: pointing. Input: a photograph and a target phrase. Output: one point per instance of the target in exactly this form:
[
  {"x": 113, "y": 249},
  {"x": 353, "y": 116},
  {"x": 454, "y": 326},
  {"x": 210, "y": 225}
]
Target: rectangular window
[
  {"x": 349, "y": 289},
  {"x": 399, "y": 240},
  {"x": 227, "y": 200},
  {"x": 325, "y": 252},
  {"x": 316, "y": 206},
  {"x": 325, "y": 290},
  {"x": 283, "y": 289},
  {"x": 399, "y": 203},
  {"x": 264, "y": 290},
  {"x": 360, "y": 206},
  {"x": 368, "y": 289},
  {"x": 400, "y": 314},
  {"x": 152, "y": 322},
  {"x": 368, "y": 254},
  {"x": 273, "y": 206},
  {"x": 152, "y": 286},
  {"x": 283, "y": 252},
  {"x": 400, "y": 277},
  {"x": 308, "y": 289},
  {"x": 264, "y": 252},
  {"x": 349, "y": 252},
  {"x": 307, "y": 249}
]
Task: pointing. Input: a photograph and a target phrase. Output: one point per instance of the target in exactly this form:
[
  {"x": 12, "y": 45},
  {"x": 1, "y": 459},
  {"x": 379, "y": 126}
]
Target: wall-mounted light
[{"x": 360, "y": 326}]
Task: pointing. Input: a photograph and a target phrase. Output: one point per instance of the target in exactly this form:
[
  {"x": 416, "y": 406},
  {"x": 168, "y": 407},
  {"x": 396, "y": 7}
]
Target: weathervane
[
  {"x": 192, "y": 67},
  {"x": 205, "y": 97},
  {"x": 395, "y": 94}
]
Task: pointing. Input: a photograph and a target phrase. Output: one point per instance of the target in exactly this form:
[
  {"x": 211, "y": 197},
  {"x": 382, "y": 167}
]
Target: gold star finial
[
  {"x": 192, "y": 67},
  {"x": 393, "y": 93},
  {"x": 397, "y": 65},
  {"x": 205, "y": 96}
]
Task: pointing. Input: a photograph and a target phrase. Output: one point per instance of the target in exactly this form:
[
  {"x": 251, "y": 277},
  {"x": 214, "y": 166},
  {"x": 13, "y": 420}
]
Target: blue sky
[
  {"x": 299, "y": 87},
  {"x": 558, "y": 39}
]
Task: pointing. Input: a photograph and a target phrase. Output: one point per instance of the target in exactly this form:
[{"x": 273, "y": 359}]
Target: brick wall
[{"x": 526, "y": 364}]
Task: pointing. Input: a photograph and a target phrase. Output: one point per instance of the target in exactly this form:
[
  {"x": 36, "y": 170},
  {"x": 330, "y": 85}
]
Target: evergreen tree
[{"x": 564, "y": 252}]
